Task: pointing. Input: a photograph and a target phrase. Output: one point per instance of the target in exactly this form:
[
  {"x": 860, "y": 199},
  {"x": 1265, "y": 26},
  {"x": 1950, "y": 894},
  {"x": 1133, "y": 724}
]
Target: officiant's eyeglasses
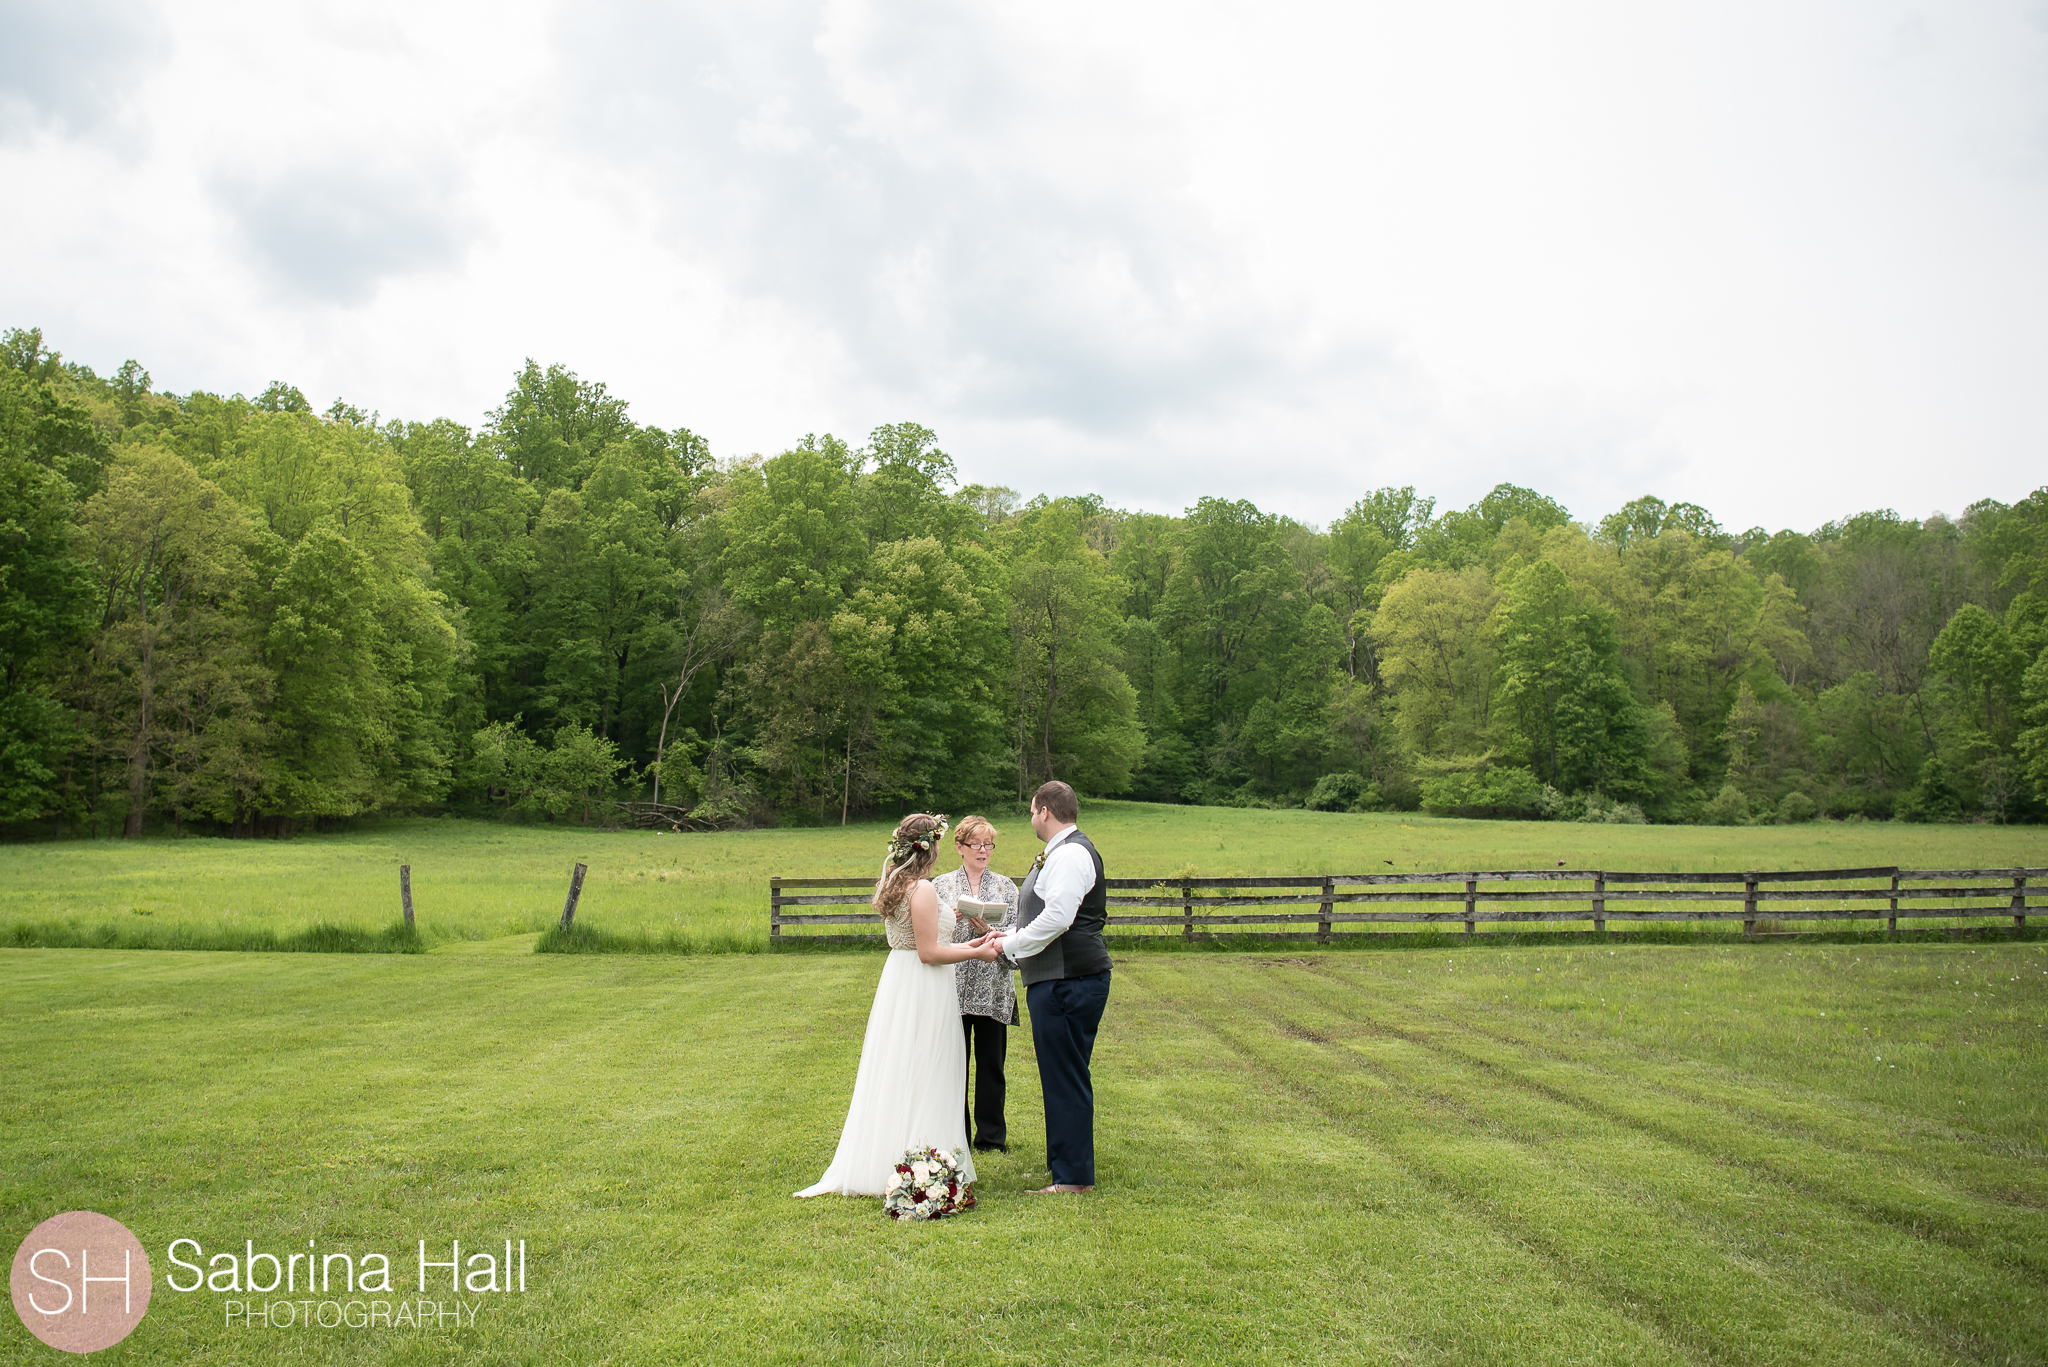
[{"x": 983, "y": 848}]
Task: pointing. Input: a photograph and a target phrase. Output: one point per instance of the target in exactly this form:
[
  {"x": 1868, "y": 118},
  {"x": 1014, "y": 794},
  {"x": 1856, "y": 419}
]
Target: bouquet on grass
[{"x": 926, "y": 1185}]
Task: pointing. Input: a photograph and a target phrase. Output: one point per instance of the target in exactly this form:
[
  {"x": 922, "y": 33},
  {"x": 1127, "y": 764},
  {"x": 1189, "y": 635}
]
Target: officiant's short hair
[
  {"x": 971, "y": 827},
  {"x": 1057, "y": 801}
]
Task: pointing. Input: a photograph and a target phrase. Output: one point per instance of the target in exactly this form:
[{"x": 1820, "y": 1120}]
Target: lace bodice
[{"x": 896, "y": 926}]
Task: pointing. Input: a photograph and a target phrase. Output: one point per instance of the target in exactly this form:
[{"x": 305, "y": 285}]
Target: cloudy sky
[{"x": 1788, "y": 260}]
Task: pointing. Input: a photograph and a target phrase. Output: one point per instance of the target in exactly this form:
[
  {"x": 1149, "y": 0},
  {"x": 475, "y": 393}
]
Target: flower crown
[{"x": 900, "y": 850}]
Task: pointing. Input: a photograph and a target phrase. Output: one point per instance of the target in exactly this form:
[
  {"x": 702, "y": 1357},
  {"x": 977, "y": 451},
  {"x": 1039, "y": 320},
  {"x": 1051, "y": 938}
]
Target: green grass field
[
  {"x": 479, "y": 881},
  {"x": 1795, "y": 1153}
]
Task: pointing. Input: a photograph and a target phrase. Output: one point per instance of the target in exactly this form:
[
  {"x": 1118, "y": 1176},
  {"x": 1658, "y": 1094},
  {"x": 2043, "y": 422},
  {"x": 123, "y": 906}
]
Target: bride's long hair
[{"x": 912, "y": 852}]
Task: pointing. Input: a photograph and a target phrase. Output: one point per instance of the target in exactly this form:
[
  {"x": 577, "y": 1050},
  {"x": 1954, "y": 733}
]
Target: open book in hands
[{"x": 988, "y": 913}]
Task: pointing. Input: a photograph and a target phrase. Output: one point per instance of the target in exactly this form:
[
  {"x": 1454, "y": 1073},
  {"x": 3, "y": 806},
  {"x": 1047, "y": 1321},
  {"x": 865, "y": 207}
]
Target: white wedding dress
[{"x": 912, "y": 1086}]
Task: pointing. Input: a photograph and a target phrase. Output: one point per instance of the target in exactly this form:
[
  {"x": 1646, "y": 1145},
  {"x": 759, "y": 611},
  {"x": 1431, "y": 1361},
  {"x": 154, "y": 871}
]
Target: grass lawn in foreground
[
  {"x": 481, "y": 880},
  {"x": 1641, "y": 1154}
]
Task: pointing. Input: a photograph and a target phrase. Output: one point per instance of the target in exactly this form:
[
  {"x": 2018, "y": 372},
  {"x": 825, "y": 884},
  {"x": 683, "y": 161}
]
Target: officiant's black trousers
[
  {"x": 988, "y": 1040},
  {"x": 1064, "y": 1016}
]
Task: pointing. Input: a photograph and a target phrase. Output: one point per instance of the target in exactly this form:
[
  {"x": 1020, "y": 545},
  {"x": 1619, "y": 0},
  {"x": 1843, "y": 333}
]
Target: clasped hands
[{"x": 984, "y": 945}]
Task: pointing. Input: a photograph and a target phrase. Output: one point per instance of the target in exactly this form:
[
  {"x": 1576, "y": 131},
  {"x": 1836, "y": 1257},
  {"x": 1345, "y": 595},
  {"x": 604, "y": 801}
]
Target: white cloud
[
  {"x": 335, "y": 232},
  {"x": 988, "y": 226},
  {"x": 1784, "y": 263},
  {"x": 70, "y": 67}
]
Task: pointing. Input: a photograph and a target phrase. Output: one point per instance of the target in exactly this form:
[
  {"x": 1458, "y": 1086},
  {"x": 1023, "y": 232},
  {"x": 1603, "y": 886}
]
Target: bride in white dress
[{"x": 912, "y": 1086}]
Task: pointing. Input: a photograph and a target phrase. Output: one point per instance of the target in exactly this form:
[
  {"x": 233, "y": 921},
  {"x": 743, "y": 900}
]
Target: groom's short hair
[{"x": 1057, "y": 801}]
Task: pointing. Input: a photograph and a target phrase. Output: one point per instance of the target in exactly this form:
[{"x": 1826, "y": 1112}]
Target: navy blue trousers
[{"x": 1064, "y": 1015}]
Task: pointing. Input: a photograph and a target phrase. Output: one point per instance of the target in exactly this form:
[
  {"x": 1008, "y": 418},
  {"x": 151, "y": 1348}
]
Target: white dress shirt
[{"x": 1063, "y": 880}]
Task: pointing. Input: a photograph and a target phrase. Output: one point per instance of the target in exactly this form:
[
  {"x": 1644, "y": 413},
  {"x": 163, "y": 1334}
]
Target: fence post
[
  {"x": 575, "y": 891},
  {"x": 405, "y": 892},
  {"x": 786, "y": 892}
]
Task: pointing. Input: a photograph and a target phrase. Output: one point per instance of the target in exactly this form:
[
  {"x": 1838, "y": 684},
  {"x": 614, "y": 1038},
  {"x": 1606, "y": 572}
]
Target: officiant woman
[{"x": 988, "y": 994}]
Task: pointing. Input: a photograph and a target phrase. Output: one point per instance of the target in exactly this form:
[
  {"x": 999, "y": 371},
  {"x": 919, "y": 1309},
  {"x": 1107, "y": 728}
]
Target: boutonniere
[{"x": 1039, "y": 862}]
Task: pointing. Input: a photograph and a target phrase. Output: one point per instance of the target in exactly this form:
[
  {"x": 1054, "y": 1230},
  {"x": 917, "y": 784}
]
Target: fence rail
[{"x": 1207, "y": 906}]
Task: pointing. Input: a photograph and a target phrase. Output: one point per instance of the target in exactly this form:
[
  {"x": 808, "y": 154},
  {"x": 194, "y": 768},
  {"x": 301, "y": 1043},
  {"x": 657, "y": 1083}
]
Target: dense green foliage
[{"x": 239, "y": 613}]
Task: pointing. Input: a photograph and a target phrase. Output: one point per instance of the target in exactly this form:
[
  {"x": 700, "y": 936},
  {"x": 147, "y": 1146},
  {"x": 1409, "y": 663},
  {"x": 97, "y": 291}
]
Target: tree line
[{"x": 239, "y": 615}]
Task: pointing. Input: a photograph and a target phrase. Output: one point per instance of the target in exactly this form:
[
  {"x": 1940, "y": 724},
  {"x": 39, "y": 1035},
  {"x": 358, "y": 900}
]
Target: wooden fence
[{"x": 1335, "y": 905}]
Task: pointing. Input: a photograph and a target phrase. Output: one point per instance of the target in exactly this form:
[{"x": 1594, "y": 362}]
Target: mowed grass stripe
[
  {"x": 1889, "y": 1109},
  {"x": 1368, "y": 1098},
  {"x": 1890, "y": 1189},
  {"x": 1267, "y": 1196},
  {"x": 1349, "y": 1224},
  {"x": 1526, "y": 1164},
  {"x": 1939, "y": 1290},
  {"x": 1641, "y": 1248},
  {"x": 1822, "y": 1171},
  {"x": 1847, "y": 1120},
  {"x": 1911, "y": 1187},
  {"x": 1263, "y": 1232},
  {"x": 1989, "y": 1149},
  {"x": 641, "y": 1124},
  {"x": 372, "y": 1101}
]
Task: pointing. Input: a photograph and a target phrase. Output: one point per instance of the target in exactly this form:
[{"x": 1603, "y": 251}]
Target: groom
[{"x": 1058, "y": 946}]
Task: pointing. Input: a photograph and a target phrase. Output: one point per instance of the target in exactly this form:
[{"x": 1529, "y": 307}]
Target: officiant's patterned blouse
[{"x": 986, "y": 989}]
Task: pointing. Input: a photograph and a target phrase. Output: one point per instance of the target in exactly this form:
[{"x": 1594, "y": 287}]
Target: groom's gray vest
[{"x": 1078, "y": 952}]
